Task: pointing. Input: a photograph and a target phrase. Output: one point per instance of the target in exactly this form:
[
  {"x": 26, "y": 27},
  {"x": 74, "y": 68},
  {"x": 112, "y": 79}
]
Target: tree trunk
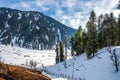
[{"x": 116, "y": 62}]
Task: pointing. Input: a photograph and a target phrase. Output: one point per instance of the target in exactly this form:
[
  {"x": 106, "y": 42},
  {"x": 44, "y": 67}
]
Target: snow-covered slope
[{"x": 98, "y": 68}]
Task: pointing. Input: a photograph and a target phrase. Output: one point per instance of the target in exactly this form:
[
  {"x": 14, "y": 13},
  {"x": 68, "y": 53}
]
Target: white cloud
[
  {"x": 45, "y": 5},
  {"x": 106, "y": 6},
  {"x": 24, "y": 5},
  {"x": 72, "y": 13},
  {"x": 100, "y": 7},
  {"x": 116, "y": 13}
]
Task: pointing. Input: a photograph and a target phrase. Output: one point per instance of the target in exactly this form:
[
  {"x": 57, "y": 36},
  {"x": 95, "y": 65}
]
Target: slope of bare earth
[{"x": 12, "y": 72}]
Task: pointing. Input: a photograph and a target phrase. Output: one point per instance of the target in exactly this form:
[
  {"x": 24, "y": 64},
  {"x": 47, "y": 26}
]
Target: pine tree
[
  {"x": 72, "y": 41},
  {"x": 88, "y": 49},
  {"x": 118, "y": 27},
  {"x": 118, "y": 32},
  {"x": 106, "y": 31},
  {"x": 92, "y": 37},
  {"x": 109, "y": 30},
  {"x": 84, "y": 40},
  {"x": 99, "y": 32},
  {"x": 78, "y": 39},
  {"x": 57, "y": 54},
  {"x": 61, "y": 51},
  {"x": 66, "y": 45},
  {"x": 112, "y": 29}
]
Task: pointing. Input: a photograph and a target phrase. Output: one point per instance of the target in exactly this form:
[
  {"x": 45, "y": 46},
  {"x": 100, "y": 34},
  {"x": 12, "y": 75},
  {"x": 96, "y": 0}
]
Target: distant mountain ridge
[{"x": 31, "y": 29}]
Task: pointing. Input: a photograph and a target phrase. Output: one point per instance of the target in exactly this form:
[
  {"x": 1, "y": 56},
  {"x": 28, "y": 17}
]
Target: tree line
[{"x": 101, "y": 32}]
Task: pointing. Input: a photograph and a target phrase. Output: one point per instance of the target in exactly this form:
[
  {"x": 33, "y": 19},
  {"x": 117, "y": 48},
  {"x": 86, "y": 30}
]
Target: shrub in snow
[
  {"x": 34, "y": 64},
  {"x": 31, "y": 63},
  {"x": 115, "y": 58},
  {"x": 26, "y": 63}
]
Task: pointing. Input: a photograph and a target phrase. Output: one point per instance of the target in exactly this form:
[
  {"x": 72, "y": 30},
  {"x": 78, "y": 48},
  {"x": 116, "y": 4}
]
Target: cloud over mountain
[{"x": 70, "y": 12}]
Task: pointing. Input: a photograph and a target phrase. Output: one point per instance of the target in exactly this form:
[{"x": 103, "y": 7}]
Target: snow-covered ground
[
  {"x": 18, "y": 56},
  {"x": 98, "y": 68}
]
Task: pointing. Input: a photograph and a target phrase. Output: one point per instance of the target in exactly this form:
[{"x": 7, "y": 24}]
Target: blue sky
[{"x": 69, "y": 12}]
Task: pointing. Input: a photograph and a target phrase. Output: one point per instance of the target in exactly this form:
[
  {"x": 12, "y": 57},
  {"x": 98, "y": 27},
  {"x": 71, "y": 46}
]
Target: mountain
[{"x": 31, "y": 29}]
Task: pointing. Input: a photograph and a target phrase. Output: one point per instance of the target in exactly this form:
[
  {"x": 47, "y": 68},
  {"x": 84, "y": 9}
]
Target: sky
[{"x": 72, "y": 13}]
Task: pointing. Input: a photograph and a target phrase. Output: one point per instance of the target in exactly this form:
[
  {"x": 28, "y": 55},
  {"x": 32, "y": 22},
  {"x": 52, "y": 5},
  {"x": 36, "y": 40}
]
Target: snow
[
  {"x": 53, "y": 29},
  {"x": 59, "y": 33},
  {"x": 21, "y": 42},
  {"x": 99, "y": 67},
  {"x": 4, "y": 38},
  {"x": 48, "y": 29},
  {"x": 9, "y": 16},
  {"x": 13, "y": 41},
  {"x": 20, "y": 15},
  {"x": 50, "y": 25},
  {"x": 30, "y": 21},
  {"x": 58, "y": 79},
  {"x": 46, "y": 37},
  {"x": 56, "y": 40},
  {"x": 53, "y": 24},
  {"x": 27, "y": 14},
  {"x": 2, "y": 32},
  {"x": 6, "y": 24},
  {"x": 6, "y": 11},
  {"x": 37, "y": 28},
  {"x": 47, "y": 21},
  {"x": 36, "y": 18},
  {"x": 15, "y": 55},
  {"x": 1, "y": 12}
]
